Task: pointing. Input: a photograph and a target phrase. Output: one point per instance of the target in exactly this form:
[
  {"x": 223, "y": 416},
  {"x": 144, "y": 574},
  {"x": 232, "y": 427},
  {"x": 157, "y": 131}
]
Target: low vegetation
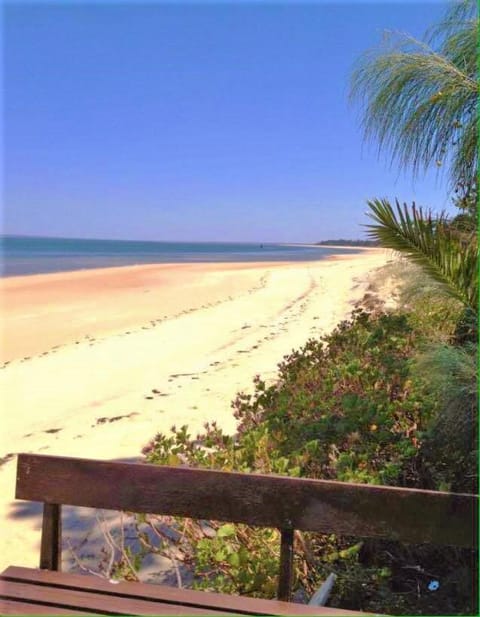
[{"x": 358, "y": 405}]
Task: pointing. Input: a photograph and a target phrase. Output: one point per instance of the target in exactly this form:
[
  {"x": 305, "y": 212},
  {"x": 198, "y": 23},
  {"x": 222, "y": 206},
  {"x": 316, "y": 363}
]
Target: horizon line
[{"x": 270, "y": 242}]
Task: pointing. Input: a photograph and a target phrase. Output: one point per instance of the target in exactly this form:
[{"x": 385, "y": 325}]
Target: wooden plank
[
  {"x": 191, "y": 598},
  {"x": 90, "y": 601},
  {"x": 273, "y": 501},
  {"x": 285, "y": 576},
  {"x": 51, "y": 543},
  {"x": 14, "y": 607}
]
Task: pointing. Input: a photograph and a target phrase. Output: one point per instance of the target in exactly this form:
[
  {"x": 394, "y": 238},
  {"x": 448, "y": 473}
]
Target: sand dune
[{"x": 97, "y": 362}]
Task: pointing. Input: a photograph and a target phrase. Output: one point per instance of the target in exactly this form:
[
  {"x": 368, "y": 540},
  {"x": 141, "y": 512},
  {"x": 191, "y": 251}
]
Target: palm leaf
[
  {"x": 418, "y": 100},
  {"x": 450, "y": 258}
]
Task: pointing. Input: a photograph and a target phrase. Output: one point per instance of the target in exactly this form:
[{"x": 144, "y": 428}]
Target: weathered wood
[
  {"x": 17, "y": 607},
  {"x": 93, "y": 602},
  {"x": 409, "y": 515},
  {"x": 285, "y": 576},
  {"x": 51, "y": 543},
  {"x": 211, "y": 602}
]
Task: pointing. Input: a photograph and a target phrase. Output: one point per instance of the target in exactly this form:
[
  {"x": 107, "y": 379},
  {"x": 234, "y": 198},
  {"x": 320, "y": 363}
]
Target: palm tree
[
  {"x": 419, "y": 98},
  {"x": 420, "y": 103}
]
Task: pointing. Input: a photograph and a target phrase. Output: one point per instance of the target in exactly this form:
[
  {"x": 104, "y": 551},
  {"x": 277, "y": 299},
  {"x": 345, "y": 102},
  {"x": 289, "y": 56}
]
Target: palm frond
[
  {"x": 457, "y": 15},
  {"x": 419, "y": 102},
  {"x": 449, "y": 258}
]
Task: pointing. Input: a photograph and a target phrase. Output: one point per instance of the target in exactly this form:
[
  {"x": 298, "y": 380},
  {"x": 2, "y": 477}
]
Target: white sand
[{"x": 195, "y": 333}]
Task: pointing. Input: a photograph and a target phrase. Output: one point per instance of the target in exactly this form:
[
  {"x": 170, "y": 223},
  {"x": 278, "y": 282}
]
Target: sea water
[{"x": 22, "y": 255}]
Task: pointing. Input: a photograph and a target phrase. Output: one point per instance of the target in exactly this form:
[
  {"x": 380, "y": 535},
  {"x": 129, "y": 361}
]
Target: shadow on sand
[{"x": 94, "y": 540}]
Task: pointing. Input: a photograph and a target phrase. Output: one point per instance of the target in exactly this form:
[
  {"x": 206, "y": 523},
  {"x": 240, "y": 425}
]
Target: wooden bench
[{"x": 288, "y": 504}]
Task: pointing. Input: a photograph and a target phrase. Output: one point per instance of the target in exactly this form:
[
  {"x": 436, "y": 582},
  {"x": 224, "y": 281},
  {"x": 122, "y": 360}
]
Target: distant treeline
[{"x": 343, "y": 242}]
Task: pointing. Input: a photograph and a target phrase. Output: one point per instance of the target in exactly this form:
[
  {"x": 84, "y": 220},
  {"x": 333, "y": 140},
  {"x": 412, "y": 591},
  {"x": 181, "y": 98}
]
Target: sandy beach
[{"x": 95, "y": 363}]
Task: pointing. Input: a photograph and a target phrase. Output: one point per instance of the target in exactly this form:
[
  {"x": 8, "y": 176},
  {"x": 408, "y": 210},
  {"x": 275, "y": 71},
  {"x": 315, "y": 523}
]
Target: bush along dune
[{"x": 353, "y": 406}]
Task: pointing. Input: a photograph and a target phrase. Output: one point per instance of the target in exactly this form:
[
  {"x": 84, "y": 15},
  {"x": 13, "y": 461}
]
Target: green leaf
[
  {"x": 225, "y": 531},
  {"x": 448, "y": 258},
  {"x": 351, "y": 551},
  {"x": 234, "y": 560}
]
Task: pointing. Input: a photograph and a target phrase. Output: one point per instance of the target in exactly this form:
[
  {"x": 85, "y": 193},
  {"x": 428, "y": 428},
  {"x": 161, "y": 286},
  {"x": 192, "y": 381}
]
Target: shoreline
[
  {"x": 198, "y": 336},
  {"x": 102, "y": 301},
  {"x": 34, "y": 306},
  {"x": 166, "y": 265},
  {"x": 269, "y": 258},
  {"x": 337, "y": 246}
]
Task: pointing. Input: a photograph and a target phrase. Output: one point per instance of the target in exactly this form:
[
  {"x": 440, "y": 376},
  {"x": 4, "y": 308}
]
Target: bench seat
[{"x": 43, "y": 592}]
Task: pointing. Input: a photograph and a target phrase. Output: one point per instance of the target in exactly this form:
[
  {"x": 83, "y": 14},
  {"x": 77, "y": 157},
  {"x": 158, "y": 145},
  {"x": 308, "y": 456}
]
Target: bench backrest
[{"x": 408, "y": 515}]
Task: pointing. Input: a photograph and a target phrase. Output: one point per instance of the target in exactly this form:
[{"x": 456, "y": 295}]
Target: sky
[{"x": 207, "y": 121}]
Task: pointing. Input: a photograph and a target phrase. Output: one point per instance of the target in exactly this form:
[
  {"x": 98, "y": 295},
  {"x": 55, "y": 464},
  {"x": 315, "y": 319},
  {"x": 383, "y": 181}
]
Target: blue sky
[{"x": 199, "y": 121}]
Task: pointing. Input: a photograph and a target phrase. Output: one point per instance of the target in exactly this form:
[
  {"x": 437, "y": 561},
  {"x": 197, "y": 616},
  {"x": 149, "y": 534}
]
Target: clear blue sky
[{"x": 200, "y": 121}]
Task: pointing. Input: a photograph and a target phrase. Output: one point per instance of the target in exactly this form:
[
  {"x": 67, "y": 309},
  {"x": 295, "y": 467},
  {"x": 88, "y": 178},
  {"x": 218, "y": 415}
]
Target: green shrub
[
  {"x": 353, "y": 407},
  {"x": 449, "y": 450}
]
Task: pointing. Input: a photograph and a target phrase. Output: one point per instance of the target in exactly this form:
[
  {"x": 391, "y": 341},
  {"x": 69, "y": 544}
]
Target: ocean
[{"x": 22, "y": 255}]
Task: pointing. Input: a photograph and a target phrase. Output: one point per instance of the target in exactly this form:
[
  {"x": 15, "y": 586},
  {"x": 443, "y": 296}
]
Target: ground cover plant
[{"x": 355, "y": 407}]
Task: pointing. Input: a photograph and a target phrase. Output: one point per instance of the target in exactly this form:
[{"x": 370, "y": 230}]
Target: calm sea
[{"x": 34, "y": 255}]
